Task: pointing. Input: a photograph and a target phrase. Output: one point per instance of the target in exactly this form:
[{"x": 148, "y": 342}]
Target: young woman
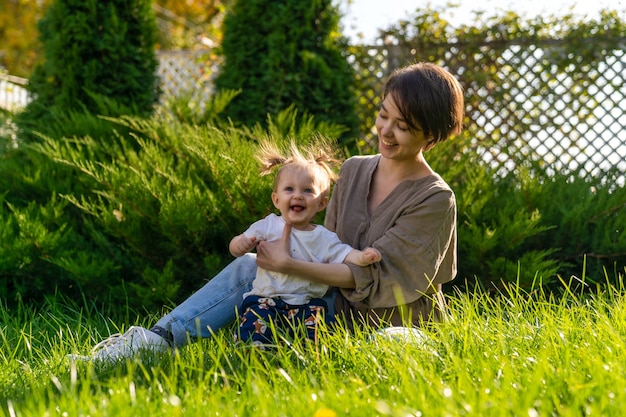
[{"x": 392, "y": 201}]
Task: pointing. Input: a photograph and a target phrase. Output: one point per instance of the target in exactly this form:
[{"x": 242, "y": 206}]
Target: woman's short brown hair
[{"x": 428, "y": 97}]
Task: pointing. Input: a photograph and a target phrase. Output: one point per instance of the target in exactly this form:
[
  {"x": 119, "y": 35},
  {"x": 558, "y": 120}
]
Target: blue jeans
[{"x": 213, "y": 306}]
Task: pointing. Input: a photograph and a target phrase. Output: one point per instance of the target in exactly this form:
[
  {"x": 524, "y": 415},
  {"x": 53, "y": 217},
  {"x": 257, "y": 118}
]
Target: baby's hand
[
  {"x": 371, "y": 255},
  {"x": 242, "y": 244},
  {"x": 364, "y": 257}
]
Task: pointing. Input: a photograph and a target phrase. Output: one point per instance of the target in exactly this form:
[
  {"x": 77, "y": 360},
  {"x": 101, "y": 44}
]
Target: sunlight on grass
[{"x": 506, "y": 354}]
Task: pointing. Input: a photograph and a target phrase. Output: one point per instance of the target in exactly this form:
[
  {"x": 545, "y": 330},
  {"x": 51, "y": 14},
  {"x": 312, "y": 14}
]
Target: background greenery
[
  {"x": 93, "y": 49},
  {"x": 101, "y": 204},
  {"x": 287, "y": 53},
  {"x": 181, "y": 25}
]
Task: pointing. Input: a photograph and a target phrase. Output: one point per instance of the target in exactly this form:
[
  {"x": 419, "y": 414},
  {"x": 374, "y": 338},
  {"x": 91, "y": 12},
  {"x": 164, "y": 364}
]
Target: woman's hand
[{"x": 275, "y": 255}]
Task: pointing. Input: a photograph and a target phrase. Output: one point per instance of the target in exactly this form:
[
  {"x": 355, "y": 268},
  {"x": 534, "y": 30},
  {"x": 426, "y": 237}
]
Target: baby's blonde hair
[{"x": 318, "y": 157}]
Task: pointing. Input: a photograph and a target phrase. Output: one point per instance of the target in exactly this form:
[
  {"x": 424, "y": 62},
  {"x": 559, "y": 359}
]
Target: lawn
[{"x": 512, "y": 354}]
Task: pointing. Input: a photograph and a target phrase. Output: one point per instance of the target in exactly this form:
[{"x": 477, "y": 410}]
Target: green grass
[{"x": 516, "y": 354}]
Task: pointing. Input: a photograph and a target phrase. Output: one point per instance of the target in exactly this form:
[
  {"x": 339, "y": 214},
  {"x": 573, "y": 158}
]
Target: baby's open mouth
[{"x": 297, "y": 209}]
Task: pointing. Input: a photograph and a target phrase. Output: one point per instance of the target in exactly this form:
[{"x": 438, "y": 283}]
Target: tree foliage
[
  {"x": 181, "y": 25},
  {"x": 20, "y": 49},
  {"x": 188, "y": 24},
  {"x": 283, "y": 53},
  {"x": 94, "y": 48}
]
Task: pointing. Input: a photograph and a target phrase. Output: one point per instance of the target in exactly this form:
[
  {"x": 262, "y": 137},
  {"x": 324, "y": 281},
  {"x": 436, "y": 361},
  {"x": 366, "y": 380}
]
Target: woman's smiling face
[{"x": 396, "y": 140}]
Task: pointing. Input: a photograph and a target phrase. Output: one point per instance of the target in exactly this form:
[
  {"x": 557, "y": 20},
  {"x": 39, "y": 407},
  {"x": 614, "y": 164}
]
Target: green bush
[
  {"x": 534, "y": 227},
  {"x": 283, "y": 53},
  {"x": 41, "y": 233},
  {"x": 94, "y": 49},
  {"x": 587, "y": 213},
  {"x": 145, "y": 210}
]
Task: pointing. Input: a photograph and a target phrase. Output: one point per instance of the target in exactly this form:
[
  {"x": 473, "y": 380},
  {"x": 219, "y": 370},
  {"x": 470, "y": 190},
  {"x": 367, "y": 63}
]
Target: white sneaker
[
  {"x": 403, "y": 334},
  {"x": 122, "y": 346}
]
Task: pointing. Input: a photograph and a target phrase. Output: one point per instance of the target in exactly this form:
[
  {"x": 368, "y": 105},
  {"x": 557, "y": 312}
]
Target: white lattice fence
[
  {"x": 556, "y": 132},
  {"x": 186, "y": 73},
  {"x": 13, "y": 94},
  {"x": 525, "y": 107},
  {"x": 182, "y": 73}
]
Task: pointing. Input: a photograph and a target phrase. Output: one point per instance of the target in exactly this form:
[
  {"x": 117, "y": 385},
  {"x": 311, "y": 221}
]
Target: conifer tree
[
  {"x": 283, "y": 52},
  {"x": 95, "y": 48}
]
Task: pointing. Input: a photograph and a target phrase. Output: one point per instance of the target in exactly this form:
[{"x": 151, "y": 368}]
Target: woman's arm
[{"x": 274, "y": 256}]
